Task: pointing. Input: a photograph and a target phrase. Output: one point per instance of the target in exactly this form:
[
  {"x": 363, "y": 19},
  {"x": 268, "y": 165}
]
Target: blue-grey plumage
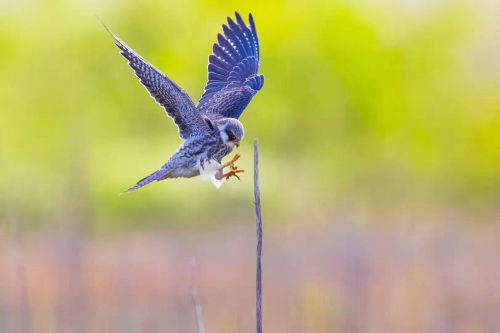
[
  {"x": 233, "y": 68},
  {"x": 192, "y": 156},
  {"x": 211, "y": 129}
]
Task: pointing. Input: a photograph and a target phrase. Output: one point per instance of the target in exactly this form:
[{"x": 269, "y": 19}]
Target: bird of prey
[{"x": 211, "y": 129}]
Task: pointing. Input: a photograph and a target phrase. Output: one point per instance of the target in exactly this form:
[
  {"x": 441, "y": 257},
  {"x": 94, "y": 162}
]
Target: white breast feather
[{"x": 210, "y": 168}]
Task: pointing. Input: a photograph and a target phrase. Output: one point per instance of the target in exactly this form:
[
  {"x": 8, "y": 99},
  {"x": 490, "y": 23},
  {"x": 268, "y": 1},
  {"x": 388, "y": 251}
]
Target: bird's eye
[{"x": 230, "y": 136}]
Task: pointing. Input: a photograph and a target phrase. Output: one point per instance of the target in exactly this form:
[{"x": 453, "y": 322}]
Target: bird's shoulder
[{"x": 196, "y": 145}]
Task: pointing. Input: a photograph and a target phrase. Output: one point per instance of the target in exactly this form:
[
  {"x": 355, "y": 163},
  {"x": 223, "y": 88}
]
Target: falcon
[{"x": 210, "y": 129}]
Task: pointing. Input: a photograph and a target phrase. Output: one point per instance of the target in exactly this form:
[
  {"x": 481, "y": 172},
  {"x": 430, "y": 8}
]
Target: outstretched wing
[
  {"x": 169, "y": 95},
  {"x": 233, "y": 77}
]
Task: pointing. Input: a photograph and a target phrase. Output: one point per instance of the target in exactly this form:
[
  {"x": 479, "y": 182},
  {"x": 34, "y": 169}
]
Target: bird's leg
[
  {"x": 233, "y": 172},
  {"x": 231, "y": 163}
]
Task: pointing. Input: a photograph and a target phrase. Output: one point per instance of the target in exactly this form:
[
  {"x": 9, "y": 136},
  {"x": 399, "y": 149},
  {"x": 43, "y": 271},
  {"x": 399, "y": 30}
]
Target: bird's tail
[{"x": 157, "y": 175}]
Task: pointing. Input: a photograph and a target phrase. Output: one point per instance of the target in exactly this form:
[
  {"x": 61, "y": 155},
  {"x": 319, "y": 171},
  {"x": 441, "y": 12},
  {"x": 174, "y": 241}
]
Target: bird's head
[{"x": 230, "y": 131}]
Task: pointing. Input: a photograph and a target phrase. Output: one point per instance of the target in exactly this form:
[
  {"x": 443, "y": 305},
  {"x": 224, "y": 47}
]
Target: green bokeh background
[{"x": 387, "y": 108}]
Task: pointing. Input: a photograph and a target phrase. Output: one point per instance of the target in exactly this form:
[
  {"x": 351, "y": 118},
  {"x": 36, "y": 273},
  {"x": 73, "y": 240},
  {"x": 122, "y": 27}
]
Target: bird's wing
[
  {"x": 233, "y": 77},
  {"x": 165, "y": 92}
]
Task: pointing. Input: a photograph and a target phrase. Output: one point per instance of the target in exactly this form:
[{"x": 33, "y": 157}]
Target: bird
[{"x": 210, "y": 129}]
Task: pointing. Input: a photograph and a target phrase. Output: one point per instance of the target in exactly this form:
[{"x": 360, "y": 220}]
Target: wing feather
[
  {"x": 233, "y": 77},
  {"x": 246, "y": 33},
  {"x": 216, "y": 61},
  {"x": 176, "y": 102}
]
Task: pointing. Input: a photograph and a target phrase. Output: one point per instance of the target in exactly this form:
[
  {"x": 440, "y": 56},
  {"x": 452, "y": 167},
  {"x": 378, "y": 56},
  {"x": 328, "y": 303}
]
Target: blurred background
[{"x": 379, "y": 136}]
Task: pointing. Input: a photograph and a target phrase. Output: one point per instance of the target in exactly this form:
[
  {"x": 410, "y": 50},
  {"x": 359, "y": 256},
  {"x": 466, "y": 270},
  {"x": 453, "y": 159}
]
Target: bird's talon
[
  {"x": 233, "y": 168},
  {"x": 232, "y": 173},
  {"x": 229, "y": 176}
]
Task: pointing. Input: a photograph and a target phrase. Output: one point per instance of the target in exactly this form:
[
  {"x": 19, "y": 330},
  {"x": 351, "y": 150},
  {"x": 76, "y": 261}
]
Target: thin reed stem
[
  {"x": 198, "y": 309},
  {"x": 259, "y": 237}
]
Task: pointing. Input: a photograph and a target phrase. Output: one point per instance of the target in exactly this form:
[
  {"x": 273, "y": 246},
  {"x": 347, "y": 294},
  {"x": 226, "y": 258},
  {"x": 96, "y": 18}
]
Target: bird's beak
[{"x": 237, "y": 143}]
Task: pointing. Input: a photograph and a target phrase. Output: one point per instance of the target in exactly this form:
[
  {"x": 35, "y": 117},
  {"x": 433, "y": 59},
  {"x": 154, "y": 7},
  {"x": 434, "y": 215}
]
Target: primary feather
[
  {"x": 165, "y": 92},
  {"x": 233, "y": 67}
]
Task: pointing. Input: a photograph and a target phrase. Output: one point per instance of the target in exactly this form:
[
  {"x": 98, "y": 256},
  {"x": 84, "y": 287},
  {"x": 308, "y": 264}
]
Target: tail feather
[{"x": 157, "y": 175}]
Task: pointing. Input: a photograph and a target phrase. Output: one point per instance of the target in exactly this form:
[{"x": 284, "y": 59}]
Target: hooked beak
[{"x": 237, "y": 143}]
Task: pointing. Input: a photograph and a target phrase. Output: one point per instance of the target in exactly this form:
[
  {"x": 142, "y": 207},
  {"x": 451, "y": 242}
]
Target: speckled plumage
[{"x": 211, "y": 129}]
